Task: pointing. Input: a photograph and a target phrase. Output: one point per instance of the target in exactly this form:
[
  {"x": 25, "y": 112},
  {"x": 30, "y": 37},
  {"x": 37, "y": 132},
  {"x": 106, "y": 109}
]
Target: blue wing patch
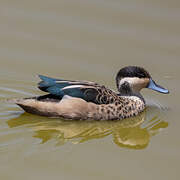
[{"x": 50, "y": 85}]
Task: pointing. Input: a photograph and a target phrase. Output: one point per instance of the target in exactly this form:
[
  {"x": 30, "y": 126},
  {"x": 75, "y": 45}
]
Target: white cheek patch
[
  {"x": 135, "y": 83},
  {"x": 130, "y": 80}
]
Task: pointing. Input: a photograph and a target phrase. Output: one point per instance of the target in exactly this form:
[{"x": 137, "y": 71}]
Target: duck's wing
[{"x": 89, "y": 91}]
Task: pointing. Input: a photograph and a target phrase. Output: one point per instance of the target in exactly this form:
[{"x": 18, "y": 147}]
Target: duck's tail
[
  {"x": 13, "y": 101},
  {"x": 31, "y": 105},
  {"x": 25, "y": 103},
  {"x": 68, "y": 107}
]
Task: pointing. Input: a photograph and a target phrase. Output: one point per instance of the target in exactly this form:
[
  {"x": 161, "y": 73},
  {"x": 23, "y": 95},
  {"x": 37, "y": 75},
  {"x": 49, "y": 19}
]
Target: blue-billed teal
[{"x": 88, "y": 100}]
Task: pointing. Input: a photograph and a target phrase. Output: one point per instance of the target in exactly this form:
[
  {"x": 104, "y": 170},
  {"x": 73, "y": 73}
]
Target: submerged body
[{"x": 88, "y": 100}]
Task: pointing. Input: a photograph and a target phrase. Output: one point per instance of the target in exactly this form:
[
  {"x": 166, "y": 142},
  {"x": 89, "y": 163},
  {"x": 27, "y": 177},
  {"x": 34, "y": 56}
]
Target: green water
[{"x": 89, "y": 40}]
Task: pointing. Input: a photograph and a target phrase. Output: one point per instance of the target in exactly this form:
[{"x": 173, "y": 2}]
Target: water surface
[{"x": 89, "y": 40}]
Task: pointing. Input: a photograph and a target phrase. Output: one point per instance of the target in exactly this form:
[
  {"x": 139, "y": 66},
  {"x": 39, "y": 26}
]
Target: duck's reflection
[{"x": 134, "y": 133}]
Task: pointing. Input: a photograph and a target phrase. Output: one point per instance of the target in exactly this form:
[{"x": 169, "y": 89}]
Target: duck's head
[{"x": 133, "y": 79}]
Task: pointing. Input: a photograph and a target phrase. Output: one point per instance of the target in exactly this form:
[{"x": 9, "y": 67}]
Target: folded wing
[{"x": 81, "y": 89}]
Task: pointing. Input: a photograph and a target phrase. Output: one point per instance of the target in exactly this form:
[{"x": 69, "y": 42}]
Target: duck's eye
[
  {"x": 125, "y": 84},
  {"x": 125, "y": 87}
]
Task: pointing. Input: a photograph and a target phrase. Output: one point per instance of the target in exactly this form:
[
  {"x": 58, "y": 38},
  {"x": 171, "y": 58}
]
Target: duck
[{"x": 85, "y": 100}]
